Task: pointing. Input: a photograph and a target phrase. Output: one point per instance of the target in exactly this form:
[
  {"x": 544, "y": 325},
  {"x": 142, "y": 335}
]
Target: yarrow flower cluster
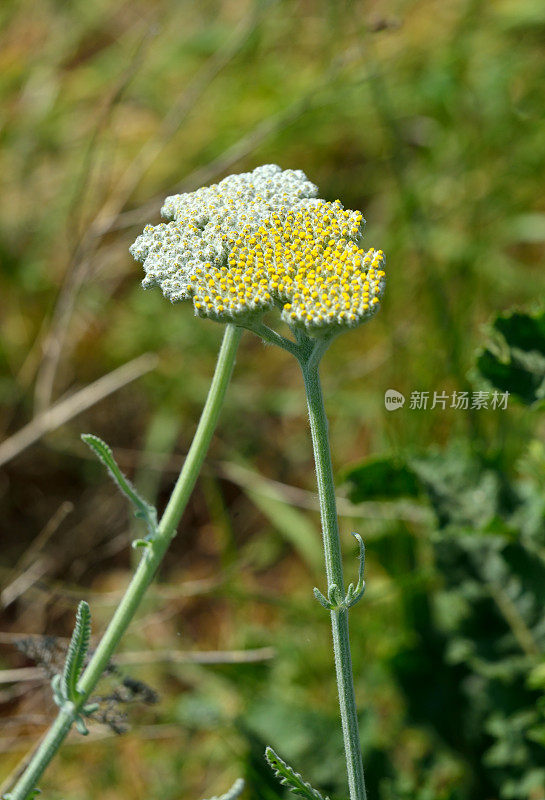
[
  {"x": 262, "y": 240},
  {"x": 249, "y": 244}
]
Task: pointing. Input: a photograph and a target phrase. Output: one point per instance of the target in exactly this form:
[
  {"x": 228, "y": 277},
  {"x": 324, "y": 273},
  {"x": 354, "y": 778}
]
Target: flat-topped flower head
[{"x": 261, "y": 240}]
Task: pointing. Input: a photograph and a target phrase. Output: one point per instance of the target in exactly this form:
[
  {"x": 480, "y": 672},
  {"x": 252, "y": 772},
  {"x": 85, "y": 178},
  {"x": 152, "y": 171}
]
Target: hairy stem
[
  {"x": 146, "y": 569},
  {"x": 334, "y": 572},
  {"x": 271, "y": 336}
]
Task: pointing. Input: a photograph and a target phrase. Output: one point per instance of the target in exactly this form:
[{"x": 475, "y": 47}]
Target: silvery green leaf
[
  {"x": 356, "y": 592},
  {"x": 142, "y": 509},
  {"x": 56, "y": 686},
  {"x": 81, "y": 726},
  {"x": 77, "y": 651},
  {"x": 288, "y": 777},
  {"x": 321, "y": 599},
  {"x": 138, "y": 543}
]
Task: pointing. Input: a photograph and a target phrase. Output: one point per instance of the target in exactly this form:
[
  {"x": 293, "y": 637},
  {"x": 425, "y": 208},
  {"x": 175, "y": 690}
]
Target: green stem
[
  {"x": 271, "y": 337},
  {"x": 146, "y": 569},
  {"x": 334, "y": 571}
]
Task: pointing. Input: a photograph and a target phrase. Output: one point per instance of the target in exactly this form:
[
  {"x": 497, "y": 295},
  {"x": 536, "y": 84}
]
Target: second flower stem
[{"x": 334, "y": 572}]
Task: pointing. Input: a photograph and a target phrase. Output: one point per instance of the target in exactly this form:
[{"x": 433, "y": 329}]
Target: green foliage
[
  {"x": 142, "y": 509},
  {"x": 514, "y": 360},
  {"x": 381, "y": 478},
  {"x": 475, "y": 672},
  {"x": 288, "y": 777}
]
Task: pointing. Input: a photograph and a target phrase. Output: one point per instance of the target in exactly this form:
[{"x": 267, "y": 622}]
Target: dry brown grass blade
[
  {"x": 204, "y": 657},
  {"x": 49, "y": 529},
  {"x": 29, "y": 568},
  {"x": 21, "y": 674},
  {"x": 249, "y": 656},
  {"x": 12, "y": 745},
  {"x": 24, "y": 581},
  {"x": 69, "y": 407},
  {"x": 65, "y": 597}
]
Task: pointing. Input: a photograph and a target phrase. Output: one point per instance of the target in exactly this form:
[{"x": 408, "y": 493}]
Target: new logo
[{"x": 393, "y": 400}]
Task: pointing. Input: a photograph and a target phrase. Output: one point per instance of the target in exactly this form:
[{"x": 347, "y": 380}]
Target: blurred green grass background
[{"x": 427, "y": 116}]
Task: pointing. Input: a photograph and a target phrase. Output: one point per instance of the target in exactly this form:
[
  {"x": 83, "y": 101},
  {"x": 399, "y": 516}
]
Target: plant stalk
[
  {"x": 146, "y": 569},
  {"x": 334, "y": 571}
]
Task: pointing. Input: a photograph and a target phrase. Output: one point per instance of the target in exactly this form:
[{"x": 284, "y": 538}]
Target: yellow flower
[{"x": 260, "y": 240}]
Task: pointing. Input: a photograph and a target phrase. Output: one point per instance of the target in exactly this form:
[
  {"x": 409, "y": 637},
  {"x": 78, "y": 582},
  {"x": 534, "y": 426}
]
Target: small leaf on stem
[
  {"x": 142, "y": 509},
  {"x": 77, "y": 651},
  {"x": 288, "y": 777}
]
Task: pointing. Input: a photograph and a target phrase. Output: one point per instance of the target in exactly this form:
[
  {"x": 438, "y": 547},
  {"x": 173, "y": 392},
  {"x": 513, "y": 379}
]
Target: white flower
[{"x": 259, "y": 240}]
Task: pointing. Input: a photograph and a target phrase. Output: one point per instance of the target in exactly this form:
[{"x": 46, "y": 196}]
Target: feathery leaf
[
  {"x": 142, "y": 509},
  {"x": 288, "y": 777},
  {"x": 77, "y": 651},
  {"x": 355, "y": 593}
]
